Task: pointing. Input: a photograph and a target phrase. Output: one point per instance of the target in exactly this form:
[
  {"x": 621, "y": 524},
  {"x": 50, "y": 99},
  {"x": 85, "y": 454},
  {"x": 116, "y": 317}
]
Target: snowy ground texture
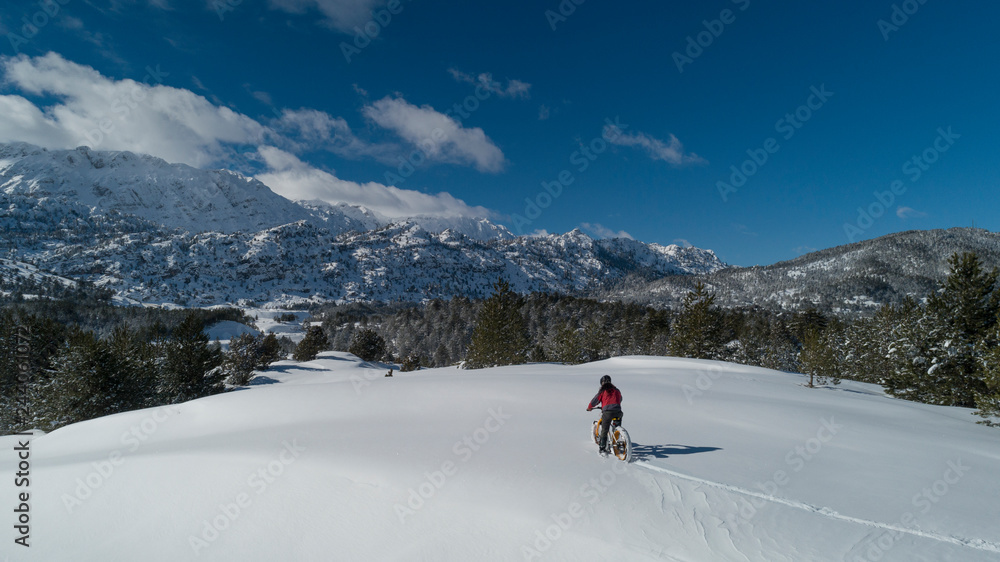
[{"x": 330, "y": 460}]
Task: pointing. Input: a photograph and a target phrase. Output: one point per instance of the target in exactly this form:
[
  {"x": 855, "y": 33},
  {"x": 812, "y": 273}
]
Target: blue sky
[{"x": 643, "y": 110}]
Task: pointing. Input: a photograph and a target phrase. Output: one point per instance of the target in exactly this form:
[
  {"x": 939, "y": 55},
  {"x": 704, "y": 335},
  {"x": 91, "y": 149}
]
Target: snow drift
[{"x": 331, "y": 460}]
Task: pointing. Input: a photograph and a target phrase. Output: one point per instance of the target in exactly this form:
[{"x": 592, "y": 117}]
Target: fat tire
[{"x": 621, "y": 446}]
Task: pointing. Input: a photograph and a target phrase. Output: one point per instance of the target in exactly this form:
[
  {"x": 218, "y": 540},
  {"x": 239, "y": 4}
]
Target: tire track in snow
[{"x": 978, "y": 544}]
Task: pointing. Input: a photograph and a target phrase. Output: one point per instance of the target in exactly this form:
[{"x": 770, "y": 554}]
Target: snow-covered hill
[
  {"x": 854, "y": 278},
  {"x": 334, "y": 461},
  {"x": 158, "y": 233}
]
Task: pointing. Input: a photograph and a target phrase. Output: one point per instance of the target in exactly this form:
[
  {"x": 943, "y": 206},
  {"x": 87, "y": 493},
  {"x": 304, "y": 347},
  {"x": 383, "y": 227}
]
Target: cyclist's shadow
[{"x": 663, "y": 451}]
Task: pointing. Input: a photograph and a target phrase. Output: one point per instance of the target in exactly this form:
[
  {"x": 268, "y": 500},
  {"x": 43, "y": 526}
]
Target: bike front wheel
[
  {"x": 621, "y": 444},
  {"x": 597, "y": 433}
]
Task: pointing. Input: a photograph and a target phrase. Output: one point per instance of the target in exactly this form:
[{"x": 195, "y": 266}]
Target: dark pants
[{"x": 606, "y": 418}]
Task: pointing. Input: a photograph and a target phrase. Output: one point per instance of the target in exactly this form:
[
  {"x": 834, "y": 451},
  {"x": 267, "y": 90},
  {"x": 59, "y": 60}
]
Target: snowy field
[
  {"x": 330, "y": 460},
  {"x": 266, "y": 321}
]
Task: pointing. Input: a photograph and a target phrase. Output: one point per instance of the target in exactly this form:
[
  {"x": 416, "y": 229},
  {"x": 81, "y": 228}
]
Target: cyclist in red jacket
[{"x": 610, "y": 399}]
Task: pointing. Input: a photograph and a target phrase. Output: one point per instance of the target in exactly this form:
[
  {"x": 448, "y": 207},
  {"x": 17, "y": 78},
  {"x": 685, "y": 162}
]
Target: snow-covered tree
[
  {"x": 190, "y": 367},
  {"x": 697, "y": 328},
  {"x": 310, "y": 346},
  {"x": 245, "y": 354},
  {"x": 500, "y": 336},
  {"x": 368, "y": 345}
]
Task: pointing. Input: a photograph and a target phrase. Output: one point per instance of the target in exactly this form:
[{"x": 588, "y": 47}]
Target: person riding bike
[{"x": 610, "y": 399}]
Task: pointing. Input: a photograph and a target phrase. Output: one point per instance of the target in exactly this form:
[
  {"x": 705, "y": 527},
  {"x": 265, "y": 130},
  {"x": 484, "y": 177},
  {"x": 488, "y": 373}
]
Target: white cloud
[
  {"x": 513, "y": 89},
  {"x": 342, "y": 15},
  {"x": 85, "y": 108},
  {"x": 602, "y": 231},
  {"x": 312, "y": 129},
  {"x": 682, "y": 242},
  {"x": 909, "y": 213},
  {"x": 440, "y": 138},
  {"x": 544, "y": 113},
  {"x": 671, "y": 151},
  {"x": 263, "y": 97},
  {"x": 180, "y": 126},
  {"x": 90, "y": 109},
  {"x": 294, "y": 179}
]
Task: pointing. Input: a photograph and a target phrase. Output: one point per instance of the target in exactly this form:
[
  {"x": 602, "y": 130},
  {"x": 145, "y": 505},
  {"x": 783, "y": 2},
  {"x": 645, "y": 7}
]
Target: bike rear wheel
[{"x": 621, "y": 444}]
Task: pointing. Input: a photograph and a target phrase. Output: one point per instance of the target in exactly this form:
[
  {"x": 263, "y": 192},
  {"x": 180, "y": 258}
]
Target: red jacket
[{"x": 610, "y": 399}]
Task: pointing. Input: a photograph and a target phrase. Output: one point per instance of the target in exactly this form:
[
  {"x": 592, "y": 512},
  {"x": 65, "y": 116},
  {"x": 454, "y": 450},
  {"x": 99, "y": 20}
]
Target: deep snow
[{"x": 331, "y": 460}]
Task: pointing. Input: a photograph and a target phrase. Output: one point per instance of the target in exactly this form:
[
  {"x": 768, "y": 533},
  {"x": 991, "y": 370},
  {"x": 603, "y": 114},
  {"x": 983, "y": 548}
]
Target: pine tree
[
  {"x": 411, "y": 362},
  {"x": 911, "y": 340},
  {"x": 136, "y": 369},
  {"x": 245, "y": 354},
  {"x": 26, "y": 342},
  {"x": 368, "y": 345},
  {"x": 441, "y": 358},
  {"x": 191, "y": 367},
  {"x": 310, "y": 346},
  {"x": 500, "y": 336},
  {"x": 270, "y": 351},
  {"x": 92, "y": 378},
  {"x": 567, "y": 346},
  {"x": 968, "y": 300},
  {"x": 819, "y": 355},
  {"x": 595, "y": 341},
  {"x": 962, "y": 313},
  {"x": 988, "y": 399},
  {"x": 697, "y": 329}
]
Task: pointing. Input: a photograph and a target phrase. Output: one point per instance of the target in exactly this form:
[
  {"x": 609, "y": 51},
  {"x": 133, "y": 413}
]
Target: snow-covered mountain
[
  {"x": 854, "y": 278},
  {"x": 171, "y": 195},
  {"x": 334, "y": 461},
  {"x": 157, "y": 232}
]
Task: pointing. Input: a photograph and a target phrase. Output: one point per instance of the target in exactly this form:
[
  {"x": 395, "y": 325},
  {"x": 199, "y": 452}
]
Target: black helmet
[{"x": 606, "y": 379}]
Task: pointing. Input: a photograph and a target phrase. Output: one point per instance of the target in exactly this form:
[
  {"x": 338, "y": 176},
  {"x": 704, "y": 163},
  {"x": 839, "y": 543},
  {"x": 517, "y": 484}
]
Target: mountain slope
[
  {"x": 854, "y": 278},
  {"x": 497, "y": 464},
  {"x": 155, "y": 232},
  {"x": 300, "y": 261},
  {"x": 170, "y": 195}
]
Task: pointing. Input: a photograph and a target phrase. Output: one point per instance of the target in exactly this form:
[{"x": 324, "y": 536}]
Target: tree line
[
  {"x": 943, "y": 349},
  {"x": 55, "y": 370},
  {"x": 89, "y": 358}
]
